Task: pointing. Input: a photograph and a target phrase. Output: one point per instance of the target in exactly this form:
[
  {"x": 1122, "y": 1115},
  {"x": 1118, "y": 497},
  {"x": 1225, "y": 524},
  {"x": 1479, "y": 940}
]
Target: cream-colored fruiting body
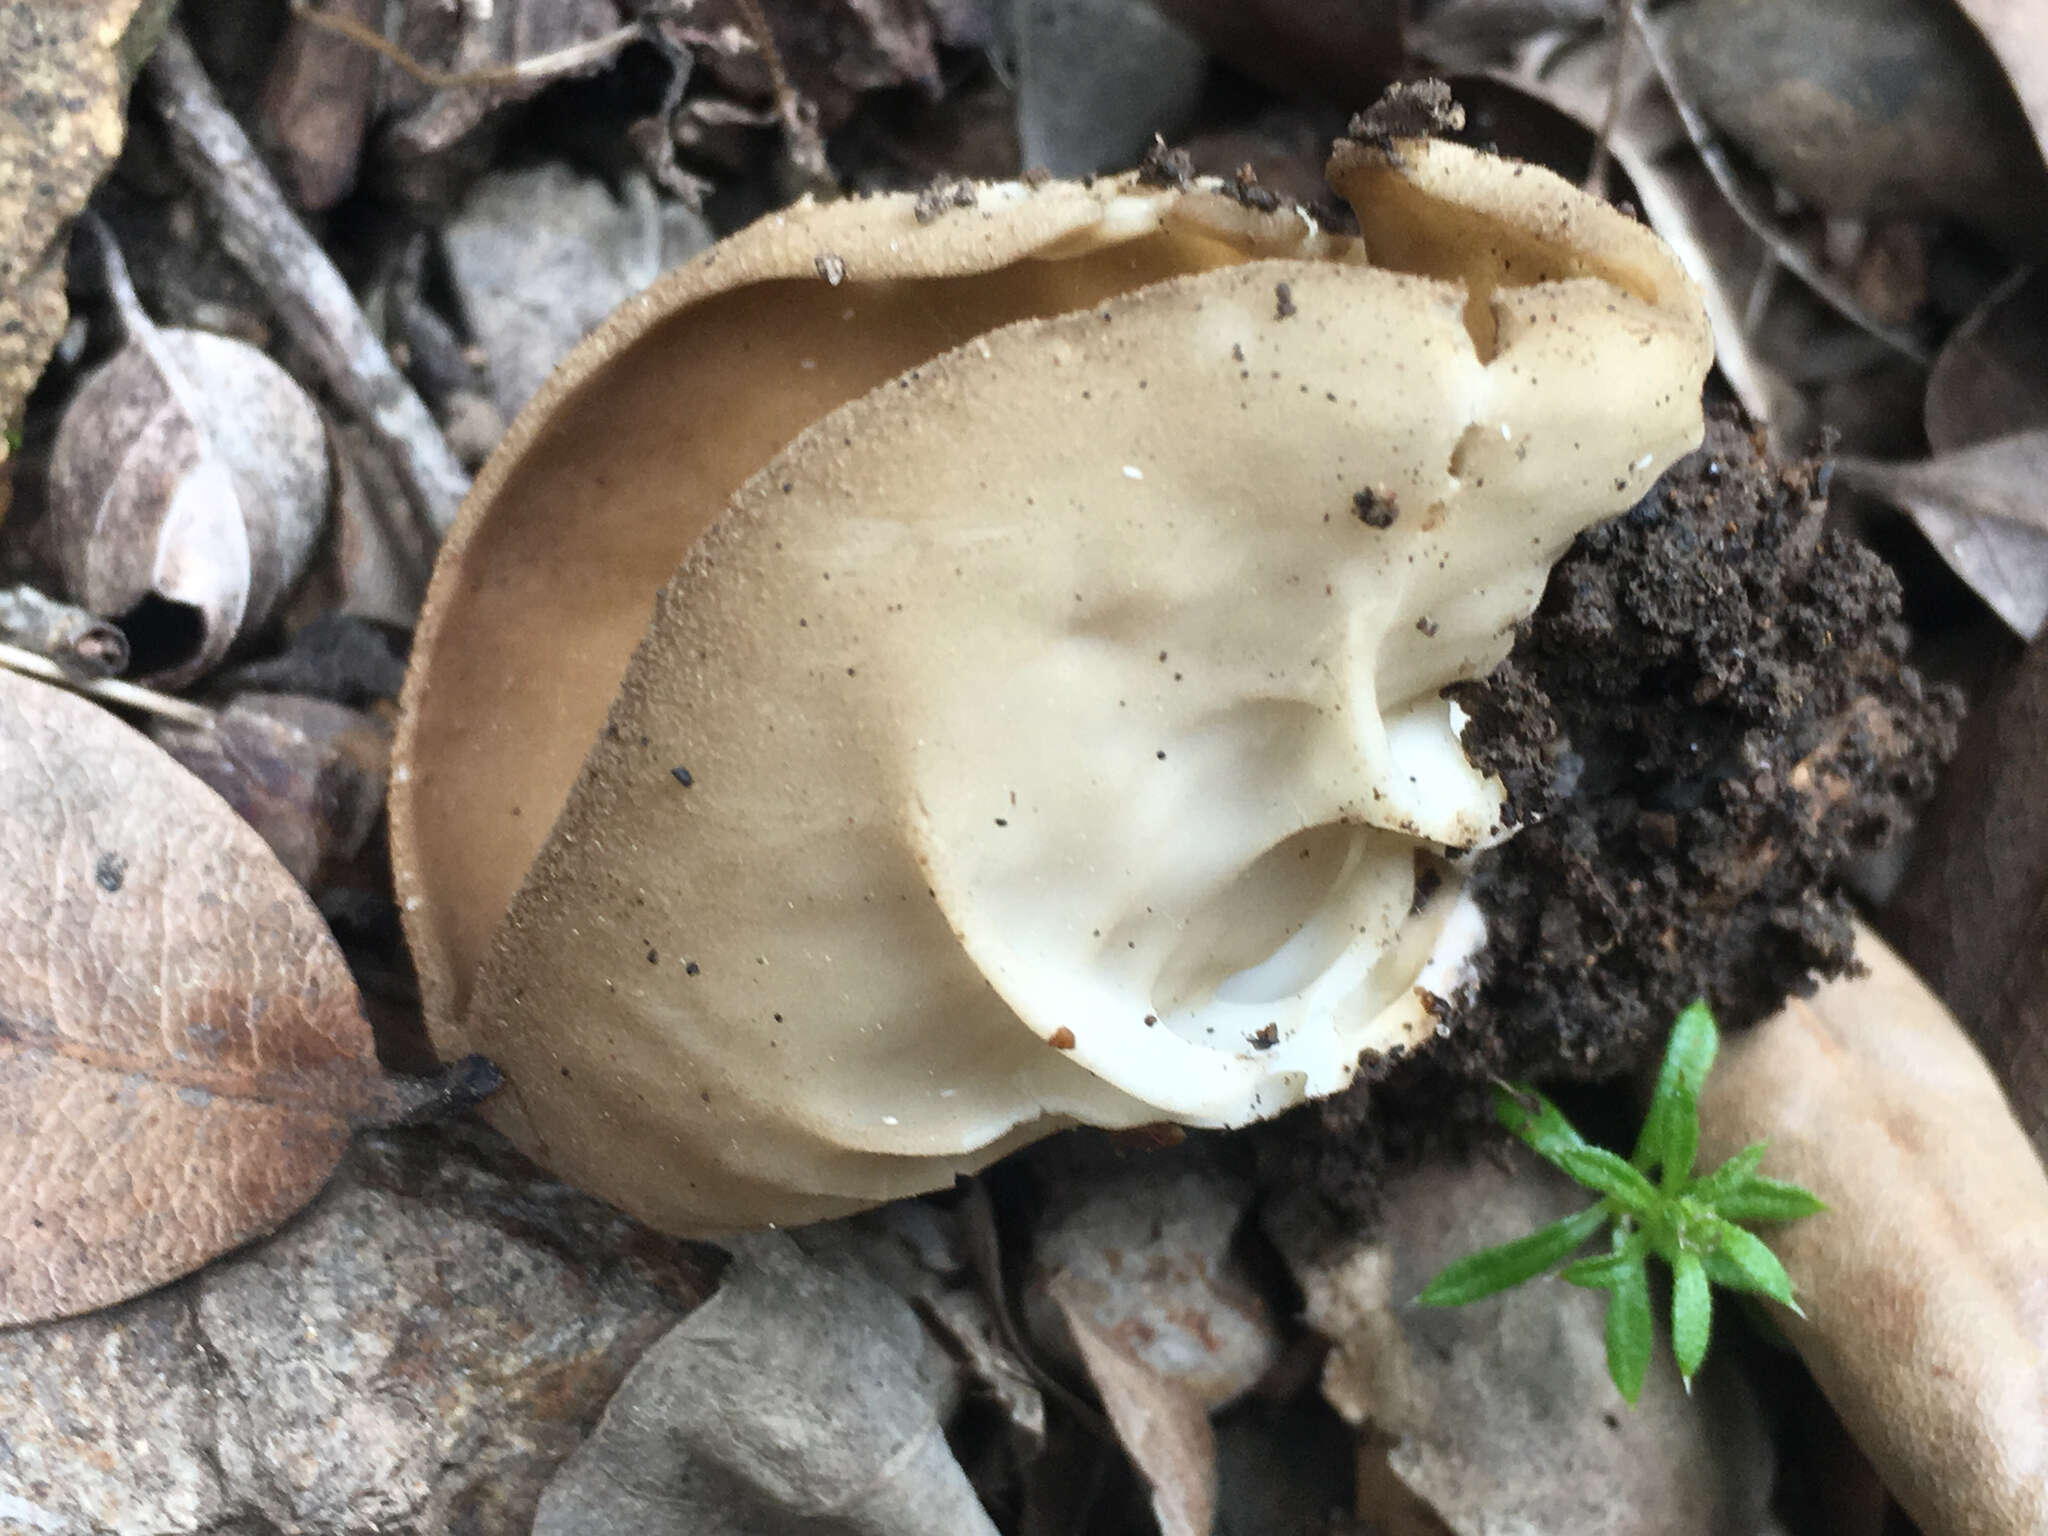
[{"x": 1060, "y": 745}]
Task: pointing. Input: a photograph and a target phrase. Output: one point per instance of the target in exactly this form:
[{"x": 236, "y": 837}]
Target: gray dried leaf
[
  {"x": 1988, "y": 381},
  {"x": 1096, "y": 79},
  {"x": 1500, "y": 1416},
  {"x": 804, "y": 1399},
  {"x": 182, "y": 1053},
  {"x": 1162, "y": 1426},
  {"x": 541, "y": 254},
  {"x": 1144, "y": 1254},
  {"x": 188, "y": 488},
  {"x": 1984, "y": 508}
]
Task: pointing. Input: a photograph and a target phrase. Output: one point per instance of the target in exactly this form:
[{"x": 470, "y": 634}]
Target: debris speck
[
  {"x": 1283, "y": 301},
  {"x": 832, "y": 268},
  {"x": 1376, "y": 507}
]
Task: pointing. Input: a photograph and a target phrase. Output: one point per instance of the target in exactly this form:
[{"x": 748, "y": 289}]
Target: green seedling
[{"x": 1690, "y": 1223}]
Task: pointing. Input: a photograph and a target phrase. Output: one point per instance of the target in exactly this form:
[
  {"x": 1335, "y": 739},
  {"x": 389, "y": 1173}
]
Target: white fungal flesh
[{"x": 1065, "y": 743}]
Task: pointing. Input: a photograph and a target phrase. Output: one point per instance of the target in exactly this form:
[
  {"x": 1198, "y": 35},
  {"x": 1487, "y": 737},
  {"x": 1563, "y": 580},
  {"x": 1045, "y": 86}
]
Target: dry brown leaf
[
  {"x": 1969, "y": 913},
  {"x": 187, "y": 490},
  {"x": 67, "y": 69},
  {"x": 1865, "y": 107},
  {"x": 181, "y": 1051},
  {"x": 1926, "y": 1318},
  {"x": 2017, "y": 31},
  {"x": 1979, "y": 500},
  {"x": 1984, "y": 508},
  {"x": 1162, "y": 1427}
]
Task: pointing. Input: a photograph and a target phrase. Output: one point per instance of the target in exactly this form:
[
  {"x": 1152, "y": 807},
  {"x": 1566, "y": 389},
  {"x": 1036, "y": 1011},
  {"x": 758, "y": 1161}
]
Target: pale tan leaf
[
  {"x": 181, "y": 1047},
  {"x": 1926, "y": 1317},
  {"x": 1984, "y": 508},
  {"x": 1163, "y": 1427}
]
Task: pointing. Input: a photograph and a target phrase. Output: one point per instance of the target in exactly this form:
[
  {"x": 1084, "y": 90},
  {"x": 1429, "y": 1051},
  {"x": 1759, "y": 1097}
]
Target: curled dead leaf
[
  {"x": 1980, "y": 500},
  {"x": 181, "y": 1051},
  {"x": 1161, "y": 1424},
  {"x": 187, "y": 490},
  {"x": 1926, "y": 1320}
]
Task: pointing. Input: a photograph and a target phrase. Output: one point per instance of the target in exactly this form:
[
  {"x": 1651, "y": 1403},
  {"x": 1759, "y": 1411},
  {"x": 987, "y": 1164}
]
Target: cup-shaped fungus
[{"x": 1042, "y": 719}]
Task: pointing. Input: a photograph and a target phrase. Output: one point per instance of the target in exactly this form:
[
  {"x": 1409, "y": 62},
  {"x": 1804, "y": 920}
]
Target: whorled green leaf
[
  {"x": 1671, "y": 1131},
  {"x": 1756, "y": 1198},
  {"x": 1597, "y": 1168},
  {"x": 1490, "y": 1270},
  {"x": 1536, "y": 1122},
  {"x": 1709, "y": 1188},
  {"x": 1629, "y": 1332},
  {"x": 1741, "y": 1261},
  {"x": 1692, "y": 1313}
]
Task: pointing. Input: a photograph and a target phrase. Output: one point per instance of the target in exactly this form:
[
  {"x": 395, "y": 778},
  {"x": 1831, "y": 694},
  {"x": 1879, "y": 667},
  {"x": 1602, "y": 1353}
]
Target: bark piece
[
  {"x": 61, "y": 122},
  {"x": 1926, "y": 1318},
  {"x": 181, "y": 1051}
]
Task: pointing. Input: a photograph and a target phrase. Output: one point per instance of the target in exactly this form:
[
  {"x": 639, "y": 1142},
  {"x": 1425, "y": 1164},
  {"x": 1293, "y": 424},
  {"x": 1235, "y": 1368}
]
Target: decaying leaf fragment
[
  {"x": 1045, "y": 719},
  {"x": 1164, "y": 1427},
  {"x": 1981, "y": 499},
  {"x": 181, "y": 1051},
  {"x": 187, "y": 490},
  {"x": 1926, "y": 1315}
]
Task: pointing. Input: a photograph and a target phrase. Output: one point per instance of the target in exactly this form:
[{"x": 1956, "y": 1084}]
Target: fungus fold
[{"x": 1041, "y": 721}]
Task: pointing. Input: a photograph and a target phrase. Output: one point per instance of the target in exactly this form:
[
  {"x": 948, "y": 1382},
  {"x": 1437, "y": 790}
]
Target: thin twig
[
  {"x": 1603, "y": 154},
  {"x": 311, "y": 298},
  {"x": 800, "y": 135},
  {"x": 543, "y": 66},
  {"x": 1795, "y": 260},
  {"x": 107, "y": 690}
]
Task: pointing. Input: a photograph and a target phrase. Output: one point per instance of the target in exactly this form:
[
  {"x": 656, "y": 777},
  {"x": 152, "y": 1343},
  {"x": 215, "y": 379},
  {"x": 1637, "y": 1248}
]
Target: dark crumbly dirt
[{"x": 1708, "y": 714}]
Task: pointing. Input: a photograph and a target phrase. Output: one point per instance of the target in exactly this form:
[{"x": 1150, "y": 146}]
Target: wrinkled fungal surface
[
  {"x": 1707, "y": 717},
  {"x": 1045, "y": 719}
]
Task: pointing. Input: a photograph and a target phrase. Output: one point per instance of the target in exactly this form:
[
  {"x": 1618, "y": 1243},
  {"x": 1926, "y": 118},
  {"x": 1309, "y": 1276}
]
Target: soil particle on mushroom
[{"x": 1708, "y": 715}]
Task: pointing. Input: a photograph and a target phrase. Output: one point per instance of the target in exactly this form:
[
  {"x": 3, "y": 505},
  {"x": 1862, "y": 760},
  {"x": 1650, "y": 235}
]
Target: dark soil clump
[{"x": 1707, "y": 716}]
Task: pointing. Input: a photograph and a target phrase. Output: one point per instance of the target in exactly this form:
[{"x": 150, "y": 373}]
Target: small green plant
[{"x": 1690, "y": 1223}]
